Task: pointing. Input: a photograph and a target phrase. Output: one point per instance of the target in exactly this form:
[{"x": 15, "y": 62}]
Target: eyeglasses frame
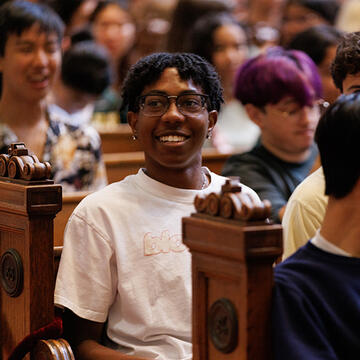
[{"x": 204, "y": 101}]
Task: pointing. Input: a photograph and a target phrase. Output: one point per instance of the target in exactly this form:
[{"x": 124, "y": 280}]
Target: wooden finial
[
  {"x": 18, "y": 164},
  {"x": 232, "y": 203}
]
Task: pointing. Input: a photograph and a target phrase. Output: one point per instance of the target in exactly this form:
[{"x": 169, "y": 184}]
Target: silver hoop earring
[{"x": 208, "y": 136}]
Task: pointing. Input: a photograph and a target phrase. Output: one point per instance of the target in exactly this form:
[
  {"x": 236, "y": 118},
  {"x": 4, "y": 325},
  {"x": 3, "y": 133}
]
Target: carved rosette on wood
[
  {"x": 231, "y": 203},
  {"x": 12, "y": 273},
  {"x": 19, "y": 164}
]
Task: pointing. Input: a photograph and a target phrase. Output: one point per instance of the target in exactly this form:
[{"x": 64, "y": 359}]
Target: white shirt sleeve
[{"x": 87, "y": 277}]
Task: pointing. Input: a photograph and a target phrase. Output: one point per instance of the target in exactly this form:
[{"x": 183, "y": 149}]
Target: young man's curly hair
[
  {"x": 190, "y": 66},
  {"x": 347, "y": 59}
]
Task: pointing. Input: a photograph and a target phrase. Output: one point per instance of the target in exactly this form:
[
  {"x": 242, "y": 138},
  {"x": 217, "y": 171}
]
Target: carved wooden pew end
[
  {"x": 29, "y": 202},
  {"x": 233, "y": 246}
]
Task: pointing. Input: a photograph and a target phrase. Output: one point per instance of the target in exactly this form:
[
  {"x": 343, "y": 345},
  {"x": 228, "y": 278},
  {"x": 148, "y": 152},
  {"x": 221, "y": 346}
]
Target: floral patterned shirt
[{"x": 73, "y": 152}]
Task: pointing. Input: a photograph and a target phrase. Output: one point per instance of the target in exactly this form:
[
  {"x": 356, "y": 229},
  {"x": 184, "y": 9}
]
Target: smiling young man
[
  {"x": 280, "y": 91},
  {"x": 30, "y": 56},
  {"x": 124, "y": 270}
]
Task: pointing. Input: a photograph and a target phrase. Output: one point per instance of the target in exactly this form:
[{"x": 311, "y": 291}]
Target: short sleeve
[{"x": 87, "y": 279}]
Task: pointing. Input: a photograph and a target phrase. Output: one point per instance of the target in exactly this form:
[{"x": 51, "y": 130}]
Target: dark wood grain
[
  {"x": 232, "y": 260},
  {"x": 26, "y": 225}
]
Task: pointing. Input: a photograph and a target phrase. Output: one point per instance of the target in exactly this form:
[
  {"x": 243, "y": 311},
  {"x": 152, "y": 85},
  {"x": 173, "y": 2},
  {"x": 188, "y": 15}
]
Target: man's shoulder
[
  {"x": 295, "y": 270},
  {"x": 257, "y": 152},
  {"x": 253, "y": 160},
  {"x": 109, "y": 197},
  {"x": 311, "y": 191}
]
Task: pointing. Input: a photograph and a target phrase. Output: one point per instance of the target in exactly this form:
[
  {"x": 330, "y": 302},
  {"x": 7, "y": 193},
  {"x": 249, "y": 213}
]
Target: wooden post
[
  {"x": 232, "y": 280},
  {"x": 27, "y": 210}
]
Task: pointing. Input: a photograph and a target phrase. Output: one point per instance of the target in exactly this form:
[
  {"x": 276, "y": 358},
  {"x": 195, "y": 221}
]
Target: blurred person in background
[
  {"x": 153, "y": 21},
  {"x": 221, "y": 40},
  {"x": 320, "y": 43},
  {"x": 84, "y": 76},
  {"x": 306, "y": 207},
  {"x": 299, "y": 15},
  {"x": 75, "y": 14},
  {"x": 114, "y": 28},
  {"x": 348, "y": 19},
  {"x": 281, "y": 91},
  {"x": 185, "y": 14},
  {"x": 30, "y": 58}
]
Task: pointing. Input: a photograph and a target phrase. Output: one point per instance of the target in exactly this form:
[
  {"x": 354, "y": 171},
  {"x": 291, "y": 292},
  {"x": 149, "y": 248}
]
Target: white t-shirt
[
  {"x": 124, "y": 260},
  {"x": 304, "y": 212},
  {"x": 320, "y": 242}
]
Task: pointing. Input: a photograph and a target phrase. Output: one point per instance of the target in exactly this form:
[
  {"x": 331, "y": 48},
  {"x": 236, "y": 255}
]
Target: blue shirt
[{"x": 316, "y": 306}]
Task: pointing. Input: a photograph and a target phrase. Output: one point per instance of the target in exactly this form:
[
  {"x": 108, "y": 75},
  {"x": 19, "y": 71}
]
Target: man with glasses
[
  {"x": 281, "y": 91},
  {"x": 316, "y": 299},
  {"x": 124, "y": 271},
  {"x": 306, "y": 207}
]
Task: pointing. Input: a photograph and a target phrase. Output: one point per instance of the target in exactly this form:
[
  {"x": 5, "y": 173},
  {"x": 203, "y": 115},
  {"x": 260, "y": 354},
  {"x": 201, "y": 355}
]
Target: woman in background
[
  {"x": 222, "y": 41},
  {"x": 113, "y": 27}
]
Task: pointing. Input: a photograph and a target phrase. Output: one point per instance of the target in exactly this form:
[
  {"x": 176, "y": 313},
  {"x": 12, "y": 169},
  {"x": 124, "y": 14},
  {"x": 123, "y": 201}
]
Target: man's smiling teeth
[{"x": 172, "y": 138}]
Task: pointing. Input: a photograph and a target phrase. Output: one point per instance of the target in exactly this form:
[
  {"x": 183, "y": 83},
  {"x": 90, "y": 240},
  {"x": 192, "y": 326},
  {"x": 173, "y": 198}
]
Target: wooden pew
[
  {"x": 118, "y": 139},
  {"x": 119, "y": 165},
  {"x": 28, "y": 205},
  {"x": 233, "y": 250}
]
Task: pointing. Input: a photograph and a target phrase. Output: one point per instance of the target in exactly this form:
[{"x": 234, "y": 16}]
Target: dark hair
[
  {"x": 315, "y": 41},
  {"x": 17, "y": 16},
  {"x": 337, "y": 136},
  {"x": 67, "y": 8},
  {"x": 82, "y": 34},
  {"x": 275, "y": 74},
  {"x": 190, "y": 66},
  {"x": 185, "y": 14},
  {"x": 86, "y": 67},
  {"x": 327, "y": 9},
  {"x": 102, "y": 4},
  {"x": 201, "y": 37},
  {"x": 347, "y": 59}
]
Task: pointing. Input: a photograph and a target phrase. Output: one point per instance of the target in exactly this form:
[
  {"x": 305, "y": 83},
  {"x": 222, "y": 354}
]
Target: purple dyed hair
[{"x": 278, "y": 73}]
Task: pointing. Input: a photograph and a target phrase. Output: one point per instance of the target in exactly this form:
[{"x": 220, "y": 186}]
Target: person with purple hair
[{"x": 281, "y": 91}]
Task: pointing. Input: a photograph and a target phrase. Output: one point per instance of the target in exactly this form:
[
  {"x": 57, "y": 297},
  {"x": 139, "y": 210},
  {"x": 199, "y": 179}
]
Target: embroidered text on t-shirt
[{"x": 164, "y": 243}]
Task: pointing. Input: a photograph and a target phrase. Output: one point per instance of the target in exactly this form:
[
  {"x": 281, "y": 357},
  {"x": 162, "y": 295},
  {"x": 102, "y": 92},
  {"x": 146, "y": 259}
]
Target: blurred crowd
[{"x": 224, "y": 32}]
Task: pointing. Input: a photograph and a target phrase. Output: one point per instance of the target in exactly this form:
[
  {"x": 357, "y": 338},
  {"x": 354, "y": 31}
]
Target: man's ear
[
  {"x": 255, "y": 114},
  {"x": 132, "y": 120},
  {"x": 213, "y": 116}
]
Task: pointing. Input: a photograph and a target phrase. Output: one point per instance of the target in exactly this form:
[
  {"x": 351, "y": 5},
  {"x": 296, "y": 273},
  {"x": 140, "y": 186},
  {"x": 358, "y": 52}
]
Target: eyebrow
[
  {"x": 159, "y": 92},
  {"x": 353, "y": 88},
  {"x": 288, "y": 101},
  {"x": 23, "y": 41}
]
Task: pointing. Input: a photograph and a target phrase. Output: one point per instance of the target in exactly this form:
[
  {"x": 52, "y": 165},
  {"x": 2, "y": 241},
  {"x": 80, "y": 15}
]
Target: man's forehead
[
  {"x": 351, "y": 83},
  {"x": 34, "y": 29}
]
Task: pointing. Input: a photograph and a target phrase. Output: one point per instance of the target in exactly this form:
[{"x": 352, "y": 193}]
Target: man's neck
[{"x": 341, "y": 225}]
